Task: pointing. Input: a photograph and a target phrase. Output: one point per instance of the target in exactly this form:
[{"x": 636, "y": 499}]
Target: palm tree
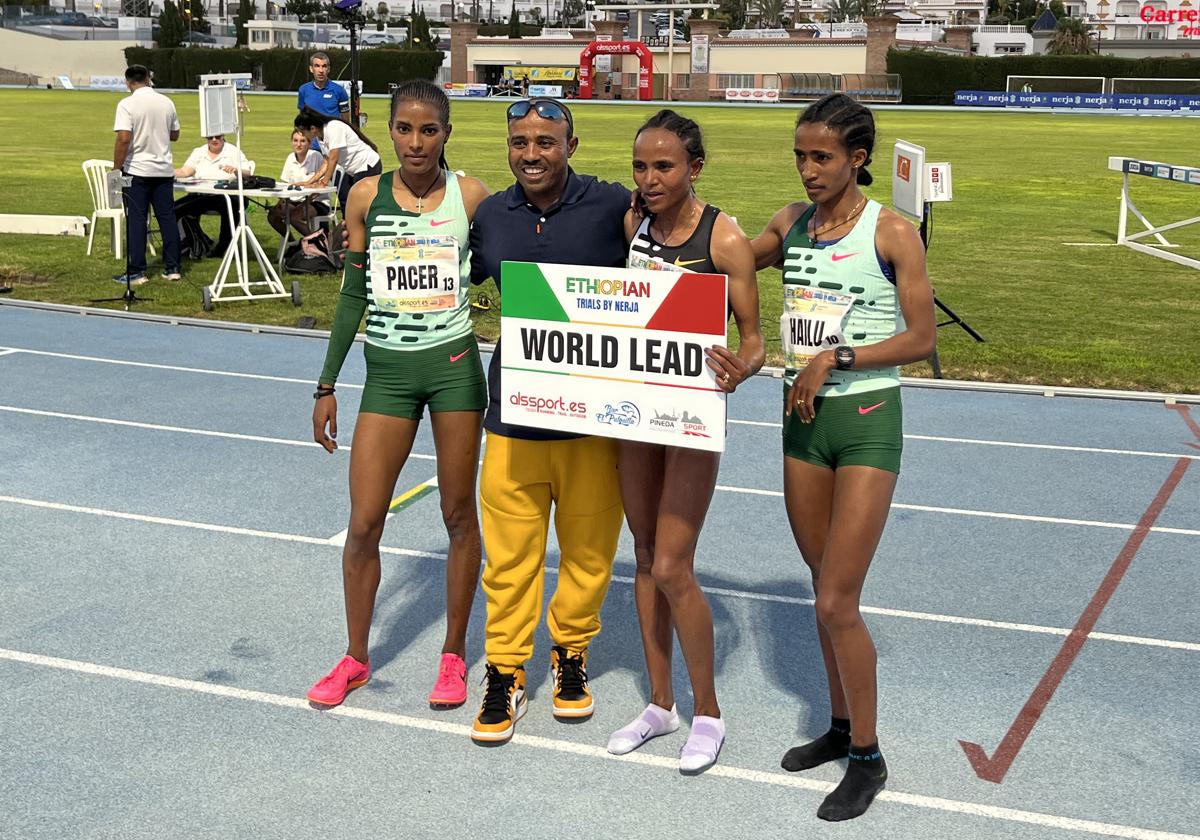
[
  {"x": 1072, "y": 37},
  {"x": 769, "y": 12},
  {"x": 842, "y": 10}
]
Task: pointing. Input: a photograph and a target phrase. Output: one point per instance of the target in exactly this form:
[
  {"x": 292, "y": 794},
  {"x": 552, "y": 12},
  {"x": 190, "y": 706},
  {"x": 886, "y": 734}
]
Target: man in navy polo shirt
[
  {"x": 552, "y": 215},
  {"x": 322, "y": 95}
]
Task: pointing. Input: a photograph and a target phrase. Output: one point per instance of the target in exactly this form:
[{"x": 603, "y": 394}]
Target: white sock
[
  {"x": 651, "y": 723},
  {"x": 703, "y": 744}
]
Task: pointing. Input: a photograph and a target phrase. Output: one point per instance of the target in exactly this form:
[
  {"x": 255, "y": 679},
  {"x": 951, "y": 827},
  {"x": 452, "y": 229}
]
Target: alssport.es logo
[{"x": 549, "y": 405}]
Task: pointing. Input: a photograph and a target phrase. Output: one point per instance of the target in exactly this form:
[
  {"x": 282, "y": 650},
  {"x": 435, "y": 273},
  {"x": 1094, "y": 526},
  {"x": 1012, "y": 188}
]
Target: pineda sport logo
[{"x": 1188, "y": 18}]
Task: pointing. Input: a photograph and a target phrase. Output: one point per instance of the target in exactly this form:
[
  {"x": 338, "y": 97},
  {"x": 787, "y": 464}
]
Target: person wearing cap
[{"x": 533, "y": 476}]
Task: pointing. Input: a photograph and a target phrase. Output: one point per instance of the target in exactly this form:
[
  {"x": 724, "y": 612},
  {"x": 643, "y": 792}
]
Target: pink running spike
[
  {"x": 450, "y": 690},
  {"x": 346, "y": 676}
]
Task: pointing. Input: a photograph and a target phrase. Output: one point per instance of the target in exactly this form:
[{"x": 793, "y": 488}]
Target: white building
[
  {"x": 274, "y": 31},
  {"x": 1126, "y": 19},
  {"x": 950, "y": 12},
  {"x": 989, "y": 40}
]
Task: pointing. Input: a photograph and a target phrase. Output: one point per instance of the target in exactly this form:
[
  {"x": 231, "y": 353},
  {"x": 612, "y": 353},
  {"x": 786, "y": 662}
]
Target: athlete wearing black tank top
[
  {"x": 666, "y": 490},
  {"x": 692, "y": 254}
]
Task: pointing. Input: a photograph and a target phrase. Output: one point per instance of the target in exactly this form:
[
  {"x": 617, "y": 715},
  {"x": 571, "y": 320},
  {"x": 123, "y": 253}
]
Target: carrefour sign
[{"x": 1189, "y": 17}]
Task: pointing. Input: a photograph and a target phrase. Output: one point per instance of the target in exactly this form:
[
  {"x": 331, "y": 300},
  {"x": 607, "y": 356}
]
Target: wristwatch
[{"x": 843, "y": 357}]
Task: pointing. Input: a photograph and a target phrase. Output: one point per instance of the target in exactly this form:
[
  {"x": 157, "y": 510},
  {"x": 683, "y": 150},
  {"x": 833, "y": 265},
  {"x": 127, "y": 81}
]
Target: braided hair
[
  {"x": 687, "y": 130},
  {"x": 851, "y": 120},
  {"x": 421, "y": 90}
]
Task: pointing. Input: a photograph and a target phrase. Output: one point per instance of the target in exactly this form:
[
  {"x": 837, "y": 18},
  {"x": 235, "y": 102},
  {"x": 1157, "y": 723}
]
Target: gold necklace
[
  {"x": 853, "y": 215},
  {"x": 666, "y": 241}
]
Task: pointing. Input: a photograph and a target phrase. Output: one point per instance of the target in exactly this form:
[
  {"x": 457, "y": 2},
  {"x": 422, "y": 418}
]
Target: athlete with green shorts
[
  {"x": 857, "y": 305},
  {"x": 408, "y": 270}
]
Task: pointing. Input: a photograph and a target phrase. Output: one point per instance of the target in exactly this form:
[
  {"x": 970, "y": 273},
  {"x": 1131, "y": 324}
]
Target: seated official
[
  {"x": 216, "y": 160},
  {"x": 298, "y": 168}
]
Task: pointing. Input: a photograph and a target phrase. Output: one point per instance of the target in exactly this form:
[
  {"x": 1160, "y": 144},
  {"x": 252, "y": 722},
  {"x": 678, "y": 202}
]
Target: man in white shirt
[
  {"x": 146, "y": 124},
  {"x": 216, "y": 160}
]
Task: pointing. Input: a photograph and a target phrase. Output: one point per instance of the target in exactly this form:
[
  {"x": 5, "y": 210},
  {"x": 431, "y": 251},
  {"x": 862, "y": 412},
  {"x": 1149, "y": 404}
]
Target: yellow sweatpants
[{"x": 519, "y": 482}]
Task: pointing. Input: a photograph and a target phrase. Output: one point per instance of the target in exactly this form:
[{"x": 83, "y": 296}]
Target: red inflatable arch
[{"x": 615, "y": 48}]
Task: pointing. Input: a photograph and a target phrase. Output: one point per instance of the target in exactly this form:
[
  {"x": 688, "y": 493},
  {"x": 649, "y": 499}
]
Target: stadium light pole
[{"x": 670, "y": 8}]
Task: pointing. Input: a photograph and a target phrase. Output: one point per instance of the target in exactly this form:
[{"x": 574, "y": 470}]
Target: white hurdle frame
[{"x": 1162, "y": 171}]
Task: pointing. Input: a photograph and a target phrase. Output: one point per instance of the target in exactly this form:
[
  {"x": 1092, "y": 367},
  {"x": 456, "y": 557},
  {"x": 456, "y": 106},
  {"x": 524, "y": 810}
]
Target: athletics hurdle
[{"x": 1164, "y": 172}]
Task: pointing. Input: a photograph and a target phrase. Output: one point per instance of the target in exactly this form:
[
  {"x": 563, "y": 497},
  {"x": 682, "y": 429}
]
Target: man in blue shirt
[
  {"x": 321, "y": 94},
  {"x": 553, "y": 215}
]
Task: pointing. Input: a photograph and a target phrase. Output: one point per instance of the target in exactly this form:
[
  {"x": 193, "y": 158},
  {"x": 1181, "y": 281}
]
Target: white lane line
[
  {"x": 727, "y": 489},
  {"x": 712, "y": 590},
  {"x": 1052, "y": 446},
  {"x": 158, "y": 427},
  {"x": 201, "y": 526},
  {"x": 991, "y": 514},
  {"x": 339, "y": 539},
  {"x": 178, "y": 368},
  {"x": 6, "y": 352},
  {"x": 1096, "y": 450},
  {"x": 943, "y": 619},
  {"x": 771, "y": 425},
  {"x": 722, "y": 487},
  {"x": 1054, "y": 520},
  {"x": 720, "y": 771}
]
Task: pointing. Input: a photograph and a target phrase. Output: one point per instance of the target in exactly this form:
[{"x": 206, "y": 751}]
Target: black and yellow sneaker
[
  {"x": 503, "y": 705},
  {"x": 568, "y": 670}
]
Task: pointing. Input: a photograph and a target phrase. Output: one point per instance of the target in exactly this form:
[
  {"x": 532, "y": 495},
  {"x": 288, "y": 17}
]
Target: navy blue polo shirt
[
  {"x": 585, "y": 227},
  {"x": 327, "y": 100}
]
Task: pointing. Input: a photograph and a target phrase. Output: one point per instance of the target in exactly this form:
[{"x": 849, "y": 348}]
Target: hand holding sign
[{"x": 617, "y": 352}]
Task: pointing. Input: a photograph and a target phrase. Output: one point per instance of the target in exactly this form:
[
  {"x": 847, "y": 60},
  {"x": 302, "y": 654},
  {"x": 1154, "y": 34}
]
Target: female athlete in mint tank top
[
  {"x": 666, "y": 490},
  {"x": 407, "y": 268},
  {"x": 857, "y": 305}
]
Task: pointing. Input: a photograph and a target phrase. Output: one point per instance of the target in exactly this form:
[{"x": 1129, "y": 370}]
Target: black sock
[
  {"x": 865, "y": 777},
  {"x": 831, "y": 746}
]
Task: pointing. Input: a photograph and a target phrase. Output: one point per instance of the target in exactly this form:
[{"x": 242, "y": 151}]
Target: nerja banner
[{"x": 617, "y": 352}]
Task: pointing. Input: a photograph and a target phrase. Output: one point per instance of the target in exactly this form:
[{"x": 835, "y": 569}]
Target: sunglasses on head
[{"x": 545, "y": 108}]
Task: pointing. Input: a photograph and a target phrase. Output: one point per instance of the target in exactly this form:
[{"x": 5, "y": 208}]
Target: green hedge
[
  {"x": 931, "y": 78},
  {"x": 282, "y": 69},
  {"x": 528, "y": 30}
]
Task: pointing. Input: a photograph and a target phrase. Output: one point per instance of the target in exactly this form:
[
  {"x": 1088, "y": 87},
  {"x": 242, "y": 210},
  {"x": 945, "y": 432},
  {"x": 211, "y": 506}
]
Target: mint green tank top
[
  {"x": 417, "y": 330},
  {"x": 849, "y": 266}
]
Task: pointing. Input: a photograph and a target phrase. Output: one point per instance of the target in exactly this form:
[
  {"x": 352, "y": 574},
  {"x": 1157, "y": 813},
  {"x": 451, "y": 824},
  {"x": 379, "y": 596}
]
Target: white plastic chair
[
  {"x": 316, "y": 221},
  {"x": 95, "y": 172},
  {"x": 331, "y": 218}
]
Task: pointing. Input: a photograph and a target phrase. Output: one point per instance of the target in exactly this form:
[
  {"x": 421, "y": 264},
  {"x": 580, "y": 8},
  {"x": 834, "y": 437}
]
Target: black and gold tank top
[{"x": 692, "y": 255}]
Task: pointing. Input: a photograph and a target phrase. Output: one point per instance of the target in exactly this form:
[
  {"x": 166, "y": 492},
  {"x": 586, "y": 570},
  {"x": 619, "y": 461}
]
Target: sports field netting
[
  {"x": 1183, "y": 87},
  {"x": 1055, "y": 84}
]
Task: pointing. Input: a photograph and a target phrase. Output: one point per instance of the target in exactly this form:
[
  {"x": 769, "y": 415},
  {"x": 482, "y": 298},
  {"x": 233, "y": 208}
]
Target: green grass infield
[{"x": 1025, "y": 185}]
